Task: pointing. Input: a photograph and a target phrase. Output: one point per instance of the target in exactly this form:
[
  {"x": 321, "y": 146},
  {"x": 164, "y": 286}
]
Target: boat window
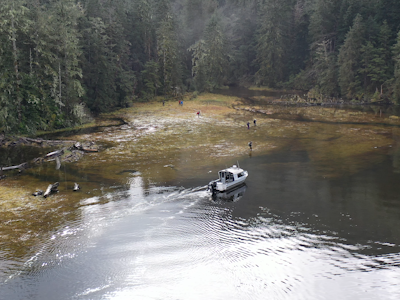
[
  {"x": 229, "y": 177},
  {"x": 240, "y": 174}
]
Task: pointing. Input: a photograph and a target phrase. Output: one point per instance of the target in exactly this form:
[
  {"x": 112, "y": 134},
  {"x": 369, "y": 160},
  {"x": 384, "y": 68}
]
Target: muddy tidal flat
[{"x": 321, "y": 205}]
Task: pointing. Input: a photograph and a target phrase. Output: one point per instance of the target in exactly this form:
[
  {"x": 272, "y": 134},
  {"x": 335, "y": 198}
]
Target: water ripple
[{"x": 174, "y": 243}]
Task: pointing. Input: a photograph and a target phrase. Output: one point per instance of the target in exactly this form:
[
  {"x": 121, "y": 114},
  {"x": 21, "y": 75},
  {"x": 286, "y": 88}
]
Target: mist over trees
[{"x": 60, "y": 59}]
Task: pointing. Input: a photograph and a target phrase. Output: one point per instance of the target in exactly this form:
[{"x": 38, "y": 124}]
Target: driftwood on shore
[
  {"x": 72, "y": 151},
  {"x": 52, "y": 188},
  {"x": 37, "y": 193},
  {"x": 21, "y": 167},
  {"x": 86, "y": 147},
  {"x": 55, "y": 153},
  {"x": 13, "y": 141}
]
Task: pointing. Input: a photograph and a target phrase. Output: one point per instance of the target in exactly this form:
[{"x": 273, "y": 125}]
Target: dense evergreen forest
[{"x": 63, "y": 59}]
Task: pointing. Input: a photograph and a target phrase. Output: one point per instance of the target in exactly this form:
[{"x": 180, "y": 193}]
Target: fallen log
[
  {"x": 2, "y": 176},
  {"x": 55, "y": 153},
  {"x": 37, "y": 193},
  {"x": 41, "y": 141},
  {"x": 78, "y": 146},
  {"x": 52, "y": 188},
  {"x": 89, "y": 150},
  {"x": 11, "y": 142},
  {"x": 21, "y": 167},
  {"x": 62, "y": 155},
  {"x": 58, "y": 163},
  {"x": 86, "y": 147}
]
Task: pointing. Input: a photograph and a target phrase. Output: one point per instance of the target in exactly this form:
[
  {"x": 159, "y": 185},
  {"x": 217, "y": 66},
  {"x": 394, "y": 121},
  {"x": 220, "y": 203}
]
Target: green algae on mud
[
  {"x": 163, "y": 145},
  {"x": 153, "y": 135}
]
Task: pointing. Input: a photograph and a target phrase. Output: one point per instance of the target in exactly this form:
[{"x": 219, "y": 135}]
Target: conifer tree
[
  {"x": 272, "y": 42},
  {"x": 14, "y": 25},
  {"x": 210, "y": 56},
  {"x": 151, "y": 79},
  {"x": 383, "y": 58},
  {"x": 396, "y": 81},
  {"x": 64, "y": 44},
  {"x": 199, "y": 65},
  {"x": 168, "y": 55},
  {"x": 350, "y": 59}
]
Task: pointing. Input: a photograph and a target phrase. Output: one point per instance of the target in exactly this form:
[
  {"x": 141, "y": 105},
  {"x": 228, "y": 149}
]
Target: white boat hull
[{"x": 222, "y": 187}]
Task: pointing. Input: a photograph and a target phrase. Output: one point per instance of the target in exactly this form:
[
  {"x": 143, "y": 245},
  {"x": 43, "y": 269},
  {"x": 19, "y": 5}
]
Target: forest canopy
[{"x": 60, "y": 59}]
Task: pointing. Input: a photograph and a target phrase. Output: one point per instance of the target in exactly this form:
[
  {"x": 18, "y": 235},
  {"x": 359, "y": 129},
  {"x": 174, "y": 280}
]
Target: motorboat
[{"x": 229, "y": 178}]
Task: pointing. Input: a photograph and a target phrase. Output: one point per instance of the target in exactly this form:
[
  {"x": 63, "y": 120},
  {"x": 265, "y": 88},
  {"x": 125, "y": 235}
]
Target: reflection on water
[
  {"x": 232, "y": 195},
  {"x": 16, "y": 155},
  {"x": 318, "y": 218},
  {"x": 286, "y": 235}
]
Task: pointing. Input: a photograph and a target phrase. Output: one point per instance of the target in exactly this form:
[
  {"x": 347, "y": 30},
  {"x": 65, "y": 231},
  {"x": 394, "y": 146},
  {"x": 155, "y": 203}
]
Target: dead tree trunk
[
  {"x": 22, "y": 166},
  {"x": 1, "y": 173},
  {"x": 58, "y": 163},
  {"x": 52, "y": 188},
  {"x": 15, "y": 57}
]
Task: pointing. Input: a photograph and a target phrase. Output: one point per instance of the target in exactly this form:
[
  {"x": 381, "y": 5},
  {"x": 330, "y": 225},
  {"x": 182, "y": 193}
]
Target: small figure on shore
[
  {"x": 163, "y": 102},
  {"x": 255, "y": 122},
  {"x": 248, "y": 125},
  {"x": 251, "y": 145},
  {"x": 182, "y": 102},
  {"x": 198, "y": 114}
]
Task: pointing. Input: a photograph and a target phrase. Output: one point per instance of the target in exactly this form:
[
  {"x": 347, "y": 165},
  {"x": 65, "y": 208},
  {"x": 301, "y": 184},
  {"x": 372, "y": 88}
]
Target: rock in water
[{"x": 76, "y": 187}]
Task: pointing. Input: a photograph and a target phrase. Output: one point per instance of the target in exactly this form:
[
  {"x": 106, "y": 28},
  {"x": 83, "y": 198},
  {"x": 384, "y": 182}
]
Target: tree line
[{"x": 60, "y": 59}]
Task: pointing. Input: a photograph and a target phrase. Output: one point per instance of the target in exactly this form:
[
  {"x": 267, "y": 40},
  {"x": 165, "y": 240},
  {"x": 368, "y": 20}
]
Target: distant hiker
[
  {"x": 250, "y": 145},
  {"x": 248, "y": 125},
  {"x": 198, "y": 114},
  {"x": 163, "y": 102},
  {"x": 255, "y": 121},
  {"x": 182, "y": 102}
]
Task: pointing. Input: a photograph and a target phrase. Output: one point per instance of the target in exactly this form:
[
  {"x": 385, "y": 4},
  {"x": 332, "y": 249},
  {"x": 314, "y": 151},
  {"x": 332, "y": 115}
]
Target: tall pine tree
[{"x": 350, "y": 60}]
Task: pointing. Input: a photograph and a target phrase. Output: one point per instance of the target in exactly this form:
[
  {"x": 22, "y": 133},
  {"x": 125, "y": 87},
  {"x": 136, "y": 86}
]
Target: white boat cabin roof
[{"x": 234, "y": 170}]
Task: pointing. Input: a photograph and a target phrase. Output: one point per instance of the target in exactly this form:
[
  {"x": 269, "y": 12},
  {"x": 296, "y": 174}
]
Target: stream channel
[{"x": 319, "y": 217}]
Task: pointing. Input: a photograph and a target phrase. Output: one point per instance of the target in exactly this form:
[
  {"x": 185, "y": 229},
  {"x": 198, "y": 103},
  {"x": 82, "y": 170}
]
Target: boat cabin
[{"x": 230, "y": 174}]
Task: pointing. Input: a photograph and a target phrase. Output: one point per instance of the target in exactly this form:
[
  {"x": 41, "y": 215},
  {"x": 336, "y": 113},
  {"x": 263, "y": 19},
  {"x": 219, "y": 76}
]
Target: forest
[{"x": 62, "y": 60}]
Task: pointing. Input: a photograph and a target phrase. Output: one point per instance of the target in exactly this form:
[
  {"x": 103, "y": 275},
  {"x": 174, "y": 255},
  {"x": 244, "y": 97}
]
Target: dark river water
[{"x": 290, "y": 233}]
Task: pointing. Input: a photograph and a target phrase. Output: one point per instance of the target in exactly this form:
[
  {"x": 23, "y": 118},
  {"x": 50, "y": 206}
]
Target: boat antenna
[{"x": 238, "y": 164}]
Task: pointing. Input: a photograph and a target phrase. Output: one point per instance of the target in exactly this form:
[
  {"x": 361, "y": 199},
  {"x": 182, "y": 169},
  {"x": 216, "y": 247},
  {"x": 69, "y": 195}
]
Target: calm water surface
[{"x": 290, "y": 233}]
